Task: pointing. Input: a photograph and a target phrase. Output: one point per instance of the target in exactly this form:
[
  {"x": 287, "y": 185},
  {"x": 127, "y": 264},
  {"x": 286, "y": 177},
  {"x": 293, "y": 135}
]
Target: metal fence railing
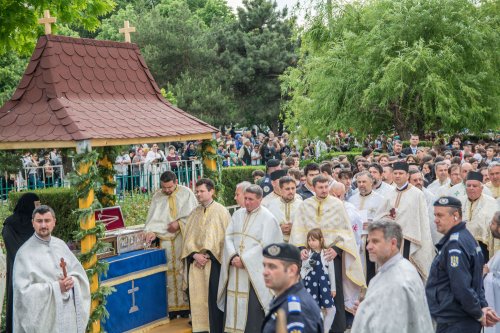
[
  {"x": 33, "y": 178},
  {"x": 142, "y": 177}
]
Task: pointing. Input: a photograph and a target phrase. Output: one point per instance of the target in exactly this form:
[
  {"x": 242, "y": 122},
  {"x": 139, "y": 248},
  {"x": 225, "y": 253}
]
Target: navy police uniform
[
  {"x": 266, "y": 185},
  {"x": 300, "y": 310},
  {"x": 454, "y": 289}
]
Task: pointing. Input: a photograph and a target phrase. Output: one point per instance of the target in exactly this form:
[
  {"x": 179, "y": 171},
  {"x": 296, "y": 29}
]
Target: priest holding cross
[{"x": 51, "y": 288}]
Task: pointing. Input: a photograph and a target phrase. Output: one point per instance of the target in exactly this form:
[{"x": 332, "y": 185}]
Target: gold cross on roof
[
  {"x": 47, "y": 20},
  {"x": 127, "y": 29}
]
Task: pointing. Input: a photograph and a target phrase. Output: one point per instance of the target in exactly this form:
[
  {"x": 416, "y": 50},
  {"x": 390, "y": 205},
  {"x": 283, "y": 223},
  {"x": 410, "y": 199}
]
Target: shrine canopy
[{"x": 77, "y": 89}]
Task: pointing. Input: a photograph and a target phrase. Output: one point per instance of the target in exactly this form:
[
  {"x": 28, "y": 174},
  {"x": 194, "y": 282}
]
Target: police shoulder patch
[
  {"x": 266, "y": 189},
  {"x": 454, "y": 236},
  {"x": 454, "y": 261},
  {"x": 455, "y": 251},
  {"x": 295, "y": 327},
  {"x": 294, "y": 304}
]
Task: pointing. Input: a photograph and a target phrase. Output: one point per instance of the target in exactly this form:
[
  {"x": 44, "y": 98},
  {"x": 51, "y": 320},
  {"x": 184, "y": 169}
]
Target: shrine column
[{"x": 88, "y": 223}]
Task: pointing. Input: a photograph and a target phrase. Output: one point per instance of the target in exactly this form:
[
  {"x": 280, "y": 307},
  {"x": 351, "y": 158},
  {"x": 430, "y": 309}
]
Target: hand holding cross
[{"x": 63, "y": 266}]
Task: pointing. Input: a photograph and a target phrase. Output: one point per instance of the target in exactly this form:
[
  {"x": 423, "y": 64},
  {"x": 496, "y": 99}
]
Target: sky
[{"x": 281, "y": 3}]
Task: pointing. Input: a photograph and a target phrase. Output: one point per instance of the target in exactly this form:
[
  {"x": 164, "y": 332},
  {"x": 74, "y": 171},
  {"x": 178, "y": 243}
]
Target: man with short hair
[
  {"x": 166, "y": 221},
  {"x": 327, "y": 213},
  {"x": 395, "y": 300},
  {"x": 202, "y": 252},
  {"x": 371, "y": 206},
  {"x": 379, "y": 185},
  {"x": 410, "y": 211},
  {"x": 326, "y": 170},
  {"x": 494, "y": 184},
  {"x": 242, "y": 294},
  {"x": 477, "y": 211},
  {"x": 416, "y": 178},
  {"x": 441, "y": 184},
  {"x": 306, "y": 190},
  {"x": 245, "y": 152},
  {"x": 397, "y": 149},
  {"x": 492, "y": 278},
  {"x": 413, "y": 148},
  {"x": 292, "y": 308},
  {"x": 239, "y": 193},
  {"x": 51, "y": 288},
  {"x": 491, "y": 155},
  {"x": 345, "y": 177},
  {"x": 337, "y": 190},
  {"x": 285, "y": 207},
  {"x": 454, "y": 174},
  {"x": 454, "y": 289},
  {"x": 387, "y": 176}
]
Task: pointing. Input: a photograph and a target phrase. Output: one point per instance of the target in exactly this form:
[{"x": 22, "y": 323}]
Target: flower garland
[
  {"x": 208, "y": 153},
  {"x": 84, "y": 183},
  {"x": 106, "y": 175}
]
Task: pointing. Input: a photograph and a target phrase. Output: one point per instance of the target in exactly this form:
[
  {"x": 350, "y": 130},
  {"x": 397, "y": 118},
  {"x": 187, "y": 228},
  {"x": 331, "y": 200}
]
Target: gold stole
[{"x": 172, "y": 204}]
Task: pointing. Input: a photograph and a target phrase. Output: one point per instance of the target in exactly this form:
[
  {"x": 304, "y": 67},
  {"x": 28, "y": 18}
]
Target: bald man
[
  {"x": 337, "y": 190},
  {"x": 458, "y": 190}
]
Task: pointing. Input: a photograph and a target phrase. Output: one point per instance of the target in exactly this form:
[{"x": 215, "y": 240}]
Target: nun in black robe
[{"x": 17, "y": 229}]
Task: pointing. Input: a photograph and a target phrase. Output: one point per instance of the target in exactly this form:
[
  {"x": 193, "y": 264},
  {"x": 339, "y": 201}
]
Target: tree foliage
[
  {"x": 19, "y": 26},
  {"x": 256, "y": 49},
  {"x": 411, "y": 65}
]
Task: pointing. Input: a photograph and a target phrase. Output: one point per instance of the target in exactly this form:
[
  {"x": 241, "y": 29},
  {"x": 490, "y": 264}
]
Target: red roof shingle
[{"x": 77, "y": 89}]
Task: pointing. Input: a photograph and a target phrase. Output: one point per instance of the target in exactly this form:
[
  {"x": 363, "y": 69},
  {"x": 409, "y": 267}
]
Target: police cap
[
  {"x": 282, "y": 251},
  {"x": 448, "y": 202},
  {"x": 278, "y": 174},
  {"x": 273, "y": 163}
]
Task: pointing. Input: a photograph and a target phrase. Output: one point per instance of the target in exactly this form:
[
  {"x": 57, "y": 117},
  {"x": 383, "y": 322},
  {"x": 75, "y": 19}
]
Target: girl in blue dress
[{"x": 319, "y": 276}]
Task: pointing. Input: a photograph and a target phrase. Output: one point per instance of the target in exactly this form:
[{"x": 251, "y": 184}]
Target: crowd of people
[
  {"x": 374, "y": 223},
  {"x": 378, "y": 245}
]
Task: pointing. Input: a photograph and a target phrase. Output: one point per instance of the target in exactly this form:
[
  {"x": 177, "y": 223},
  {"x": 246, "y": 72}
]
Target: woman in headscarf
[{"x": 17, "y": 229}]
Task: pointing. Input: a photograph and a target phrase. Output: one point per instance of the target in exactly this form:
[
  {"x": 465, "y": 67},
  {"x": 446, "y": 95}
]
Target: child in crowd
[{"x": 319, "y": 276}]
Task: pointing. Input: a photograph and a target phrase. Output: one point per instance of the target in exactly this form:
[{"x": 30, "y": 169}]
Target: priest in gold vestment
[
  {"x": 285, "y": 208},
  {"x": 328, "y": 213},
  {"x": 202, "y": 253},
  {"x": 166, "y": 220}
]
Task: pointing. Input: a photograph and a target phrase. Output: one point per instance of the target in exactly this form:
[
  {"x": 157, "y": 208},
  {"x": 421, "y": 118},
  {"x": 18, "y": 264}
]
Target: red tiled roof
[{"x": 77, "y": 89}]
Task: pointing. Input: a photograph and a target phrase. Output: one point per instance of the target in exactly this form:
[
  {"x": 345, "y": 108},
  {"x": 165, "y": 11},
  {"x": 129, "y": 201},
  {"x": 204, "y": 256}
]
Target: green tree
[
  {"x": 256, "y": 49},
  {"x": 110, "y": 26},
  {"x": 19, "y": 26},
  {"x": 12, "y": 68},
  {"x": 411, "y": 65},
  {"x": 204, "y": 95}
]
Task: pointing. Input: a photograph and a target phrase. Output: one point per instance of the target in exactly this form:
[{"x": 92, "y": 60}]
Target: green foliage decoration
[
  {"x": 106, "y": 175},
  {"x": 84, "y": 183},
  {"x": 214, "y": 175}
]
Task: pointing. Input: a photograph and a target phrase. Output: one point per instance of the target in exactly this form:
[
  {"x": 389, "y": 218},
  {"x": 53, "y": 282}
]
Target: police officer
[
  {"x": 454, "y": 289},
  {"x": 292, "y": 310},
  {"x": 271, "y": 166}
]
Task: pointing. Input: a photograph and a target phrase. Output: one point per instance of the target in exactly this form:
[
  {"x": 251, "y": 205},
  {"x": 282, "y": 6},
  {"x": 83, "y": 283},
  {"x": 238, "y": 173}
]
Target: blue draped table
[{"x": 140, "y": 299}]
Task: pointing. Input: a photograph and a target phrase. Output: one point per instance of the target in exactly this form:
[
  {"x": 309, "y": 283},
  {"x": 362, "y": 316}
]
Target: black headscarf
[
  {"x": 17, "y": 229},
  {"x": 20, "y": 221}
]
